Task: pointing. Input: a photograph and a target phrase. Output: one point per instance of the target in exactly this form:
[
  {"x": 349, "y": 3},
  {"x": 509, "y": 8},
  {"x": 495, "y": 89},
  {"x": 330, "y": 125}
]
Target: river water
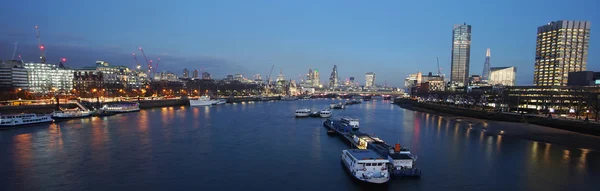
[{"x": 252, "y": 146}]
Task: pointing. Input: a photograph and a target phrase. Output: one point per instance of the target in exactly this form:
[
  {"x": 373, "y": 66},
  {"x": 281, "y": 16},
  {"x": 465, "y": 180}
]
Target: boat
[
  {"x": 325, "y": 113},
  {"x": 402, "y": 162},
  {"x": 219, "y": 101},
  {"x": 303, "y": 112},
  {"x": 79, "y": 112},
  {"x": 314, "y": 114},
  {"x": 122, "y": 107},
  {"x": 70, "y": 114},
  {"x": 366, "y": 165},
  {"x": 351, "y": 121},
  {"x": 337, "y": 106},
  {"x": 367, "y": 98},
  {"x": 201, "y": 101},
  {"x": 7, "y": 121},
  {"x": 289, "y": 98}
]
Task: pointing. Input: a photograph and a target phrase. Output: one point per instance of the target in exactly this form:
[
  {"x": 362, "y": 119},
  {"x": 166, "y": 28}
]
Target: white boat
[
  {"x": 325, "y": 113},
  {"x": 23, "y": 119},
  {"x": 121, "y": 107},
  {"x": 337, "y": 106},
  {"x": 202, "y": 101},
  {"x": 219, "y": 101},
  {"x": 351, "y": 121},
  {"x": 366, "y": 165},
  {"x": 303, "y": 112},
  {"x": 70, "y": 113}
]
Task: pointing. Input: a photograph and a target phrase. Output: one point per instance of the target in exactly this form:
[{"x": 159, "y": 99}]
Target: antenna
[{"x": 15, "y": 51}]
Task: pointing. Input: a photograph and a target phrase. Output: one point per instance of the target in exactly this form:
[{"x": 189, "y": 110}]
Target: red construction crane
[
  {"x": 156, "y": 66},
  {"x": 149, "y": 66},
  {"x": 136, "y": 62},
  {"x": 42, "y": 54}
]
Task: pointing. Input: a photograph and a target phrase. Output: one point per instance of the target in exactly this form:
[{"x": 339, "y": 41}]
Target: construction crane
[
  {"x": 15, "y": 51},
  {"x": 438, "y": 66},
  {"x": 136, "y": 62},
  {"x": 42, "y": 54},
  {"x": 149, "y": 66},
  {"x": 156, "y": 66},
  {"x": 269, "y": 80},
  {"x": 21, "y": 59}
]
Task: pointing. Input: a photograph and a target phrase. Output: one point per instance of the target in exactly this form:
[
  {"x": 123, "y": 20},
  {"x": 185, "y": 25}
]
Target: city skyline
[{"x": 221, "y": 45}]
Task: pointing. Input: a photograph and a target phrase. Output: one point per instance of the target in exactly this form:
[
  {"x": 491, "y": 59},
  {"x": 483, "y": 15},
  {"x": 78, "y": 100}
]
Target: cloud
[{"x": 79, "y": 55}]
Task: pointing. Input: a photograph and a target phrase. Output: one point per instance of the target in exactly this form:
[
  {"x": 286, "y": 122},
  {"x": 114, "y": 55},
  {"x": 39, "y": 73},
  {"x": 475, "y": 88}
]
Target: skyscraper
[
  {"x": 195, "y": 74},
  {"x": 316, "y": 80},
  {"x": 485, "y": 75},
  {"x": 186, "y": 73},
  {"x": 333, "y": 79},
  {"x": 561, "y": 47},
  {"x": 205, "y": 75},
  {"x": 369, "y": 79},
  {"x": 461, "y": 53}
]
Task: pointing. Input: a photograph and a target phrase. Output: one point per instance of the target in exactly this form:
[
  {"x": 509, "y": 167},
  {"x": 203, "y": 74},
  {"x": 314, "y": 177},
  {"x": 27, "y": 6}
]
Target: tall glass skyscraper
[
  {"x": 561, "y": 47},
  {"x": 461, "y": 53}
]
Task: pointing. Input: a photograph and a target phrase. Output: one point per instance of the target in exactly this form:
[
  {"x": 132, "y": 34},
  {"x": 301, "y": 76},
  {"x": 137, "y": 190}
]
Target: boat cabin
[
  {"x": 365, "y": 162},
  {"x": 352, "y": 121}
]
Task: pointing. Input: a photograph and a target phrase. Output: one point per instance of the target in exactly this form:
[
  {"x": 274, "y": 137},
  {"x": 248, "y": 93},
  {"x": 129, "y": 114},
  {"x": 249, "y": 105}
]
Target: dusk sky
[{"x": 391, "y": 38}]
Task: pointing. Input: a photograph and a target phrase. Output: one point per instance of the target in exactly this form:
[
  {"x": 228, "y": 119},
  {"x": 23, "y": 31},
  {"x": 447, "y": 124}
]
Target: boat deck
[{"x": 374, "y": 144}]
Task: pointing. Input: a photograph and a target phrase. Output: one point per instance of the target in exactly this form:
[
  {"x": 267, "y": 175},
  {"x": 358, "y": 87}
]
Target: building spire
[{"x": 487, "y": 53}]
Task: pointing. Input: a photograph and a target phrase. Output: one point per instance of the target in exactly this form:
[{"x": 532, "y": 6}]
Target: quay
[
  {"x": 399, "y": 158},
  {"x": 580, "y": 126}
]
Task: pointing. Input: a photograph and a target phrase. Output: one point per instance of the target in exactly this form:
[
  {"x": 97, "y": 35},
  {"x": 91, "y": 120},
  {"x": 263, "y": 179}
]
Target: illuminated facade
[
  {"x": 561, "y": 47},
  {"x": 13, "y": 76},
  {"x": 334, "y": 78},
  {"x": 505, "y": 76},
  {"x": 369, "y": 80},
  {"x": 461, "y": 54},
  {"x": 119, "y": 77},
  {"x": 186, "y": 73},
  {"x": 44, "y": 78}
]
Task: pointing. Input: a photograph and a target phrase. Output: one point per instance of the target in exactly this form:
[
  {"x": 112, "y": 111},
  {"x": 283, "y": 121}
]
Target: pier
[{"x": 362, "y": 140}]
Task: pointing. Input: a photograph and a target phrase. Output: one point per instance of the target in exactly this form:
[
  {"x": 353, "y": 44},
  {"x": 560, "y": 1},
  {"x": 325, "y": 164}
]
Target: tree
[{"x": 593, "y": 101}]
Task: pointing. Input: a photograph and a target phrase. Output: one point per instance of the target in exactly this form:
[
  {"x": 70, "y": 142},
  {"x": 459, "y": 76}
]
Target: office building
[
  {"x": 46, "y": 78},
  {"x": 116, "y": 78},
  {"x": 461, "y": 54},
  {"x": 584, "y": 78},
  {"x": 505, "y": 76},
  {"x": 186, "y": 73},
  {"x": 369, "y": 80},
  {"x": 166, "y": 76},
  {"x": 195, "y": 74},
  {"x": 561, "y": 47},
  {"x": 333, "y": 78},
  {"x": 206, "y": 76},
  {"x": 13, "y": 76}
]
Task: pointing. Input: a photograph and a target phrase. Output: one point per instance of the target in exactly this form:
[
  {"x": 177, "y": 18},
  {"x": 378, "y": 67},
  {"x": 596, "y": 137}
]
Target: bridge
[{"x": 363, "y": 93}]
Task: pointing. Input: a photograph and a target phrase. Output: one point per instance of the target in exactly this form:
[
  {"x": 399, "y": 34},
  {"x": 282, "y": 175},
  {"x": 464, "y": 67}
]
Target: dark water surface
[{"x": 262, "y": 146}]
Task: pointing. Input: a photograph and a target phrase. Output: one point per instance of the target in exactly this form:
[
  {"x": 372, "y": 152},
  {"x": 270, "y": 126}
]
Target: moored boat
[
  {"x": 70, "y": 114},
  {"x": 337, "y": 106},
  {"x": 366, "y": 165},
  {"x": 202, "y": 101},
  {"x": 219, "y": 102},
  {"x": 325, "y": 113},
  {"x": 122, "y": 107},
  {"x": 7, "y": 121},
  {"x": 351, "y": 121},
  {"x": 303, "y": 112}
]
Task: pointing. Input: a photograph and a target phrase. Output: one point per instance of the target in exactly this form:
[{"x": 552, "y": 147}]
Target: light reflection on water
[{"x": 153, "y": 148}]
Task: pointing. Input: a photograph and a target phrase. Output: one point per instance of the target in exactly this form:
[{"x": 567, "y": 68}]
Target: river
[{"x": 252, "y": 146}]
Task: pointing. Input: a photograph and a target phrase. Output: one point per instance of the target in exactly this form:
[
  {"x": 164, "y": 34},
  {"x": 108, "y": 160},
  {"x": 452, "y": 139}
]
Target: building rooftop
[{"x": 362, "y": 154}]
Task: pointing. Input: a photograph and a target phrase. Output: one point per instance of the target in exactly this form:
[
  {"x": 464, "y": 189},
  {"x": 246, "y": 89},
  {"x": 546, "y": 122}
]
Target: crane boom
[
  {"x": 438, "y": 66},
  {"x": 42, "y": 54},
  {"x": 136, "y": 62},
  {"x": 271, "y": 72},
  {"x": 149, "y": 66},
  {"x": 15, "y": 51},
  {"x": 156, "y": 66}
]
